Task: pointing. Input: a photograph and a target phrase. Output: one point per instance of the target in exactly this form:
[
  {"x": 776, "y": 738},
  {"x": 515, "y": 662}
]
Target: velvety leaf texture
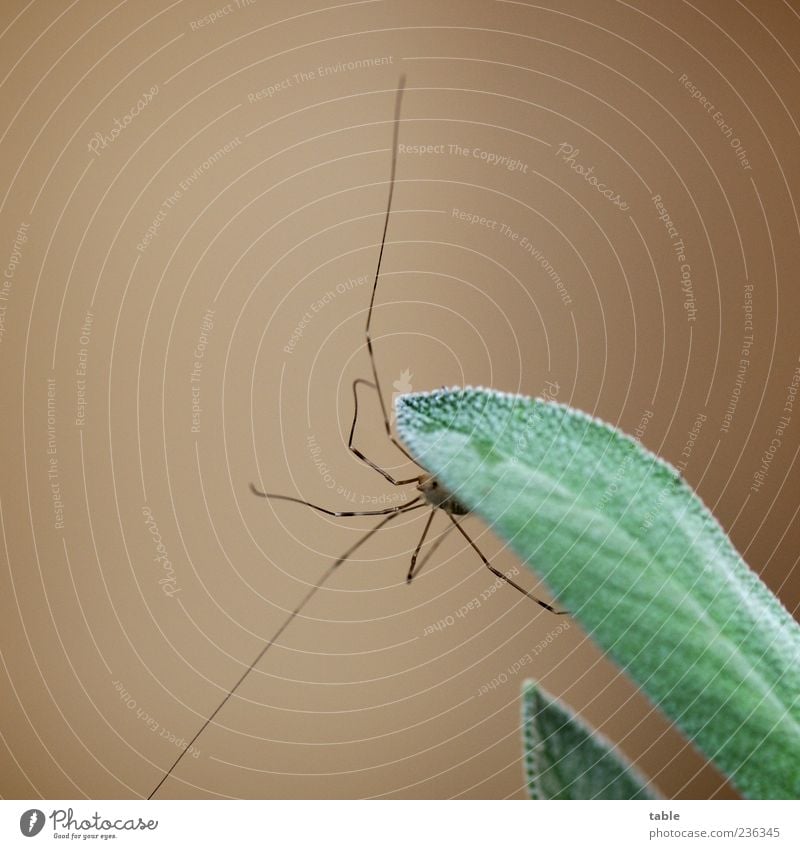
[
  {"x": 565, "y": 759},
  {"x": 629, "y": 549}
]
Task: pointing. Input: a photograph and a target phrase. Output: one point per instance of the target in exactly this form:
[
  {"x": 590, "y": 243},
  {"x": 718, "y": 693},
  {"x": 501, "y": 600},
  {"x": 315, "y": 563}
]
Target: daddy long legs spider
[{"x": 431, "y": 492}]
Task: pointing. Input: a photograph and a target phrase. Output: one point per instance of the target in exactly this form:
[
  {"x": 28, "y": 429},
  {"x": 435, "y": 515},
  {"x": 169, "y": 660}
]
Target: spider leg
[
  {"x": 431, "y": 551},
  {"x": 500, "y": 575},
  {"x": 271, "y": 642},
  {"x": 376, "y": 381},
  {"x": 411, "y": 572},
  {"x": 357, "y": 452},
  {"x": 413, "y": 504}
]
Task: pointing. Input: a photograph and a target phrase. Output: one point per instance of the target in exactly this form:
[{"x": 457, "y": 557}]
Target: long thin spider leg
[
  {"x": 410, "y": 575},
  {"x": 357, "y": 452},
  {"x": 398, "y": 102},
  {"x": 500, "y": 575},
  {"x": 271, "y": 642},
  {"x": 432, "y": 550},
  {"x": 337, "y": 513}
]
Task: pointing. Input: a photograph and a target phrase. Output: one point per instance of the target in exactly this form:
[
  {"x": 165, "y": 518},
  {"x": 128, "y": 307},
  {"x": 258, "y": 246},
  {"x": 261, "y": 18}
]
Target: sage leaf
[
  {"x": 565, "y": 759},
  {"x": 624, "y": 543}
]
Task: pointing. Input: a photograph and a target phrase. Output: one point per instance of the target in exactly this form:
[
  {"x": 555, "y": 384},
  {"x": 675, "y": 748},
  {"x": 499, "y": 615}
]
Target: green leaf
[
  {"x": 626, "y": 546},
  {"x": 565, "y": 759}
]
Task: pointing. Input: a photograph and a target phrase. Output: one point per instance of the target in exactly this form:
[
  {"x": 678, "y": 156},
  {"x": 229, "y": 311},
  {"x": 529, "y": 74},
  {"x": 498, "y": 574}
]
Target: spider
[{"x": 432, "y": 493}]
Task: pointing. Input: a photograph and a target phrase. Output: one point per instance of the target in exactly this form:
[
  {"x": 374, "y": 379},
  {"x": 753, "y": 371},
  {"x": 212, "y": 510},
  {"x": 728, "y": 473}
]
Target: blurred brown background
[{"x": 253, "y": 141}]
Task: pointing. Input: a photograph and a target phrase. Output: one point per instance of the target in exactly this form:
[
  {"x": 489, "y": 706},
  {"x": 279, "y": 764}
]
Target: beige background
[{"x": 100, "y": 666}]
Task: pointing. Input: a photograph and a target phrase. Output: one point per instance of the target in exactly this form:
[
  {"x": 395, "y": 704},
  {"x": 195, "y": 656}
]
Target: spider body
[{"x": 437, "y": 495}]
